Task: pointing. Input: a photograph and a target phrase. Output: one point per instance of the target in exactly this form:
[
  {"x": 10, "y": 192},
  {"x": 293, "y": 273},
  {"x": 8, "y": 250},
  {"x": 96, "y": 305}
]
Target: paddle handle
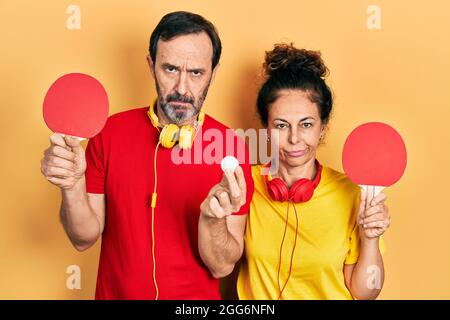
[{"x": 372, "y": 191}]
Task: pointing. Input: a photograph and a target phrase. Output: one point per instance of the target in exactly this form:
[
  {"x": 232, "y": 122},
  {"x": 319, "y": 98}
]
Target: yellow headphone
[
  {"x": 171, "y": 133},
  {"x": 168, "y": 136}
]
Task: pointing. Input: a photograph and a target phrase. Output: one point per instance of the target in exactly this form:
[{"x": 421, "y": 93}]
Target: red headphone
[{"x": 301, "y": 191}]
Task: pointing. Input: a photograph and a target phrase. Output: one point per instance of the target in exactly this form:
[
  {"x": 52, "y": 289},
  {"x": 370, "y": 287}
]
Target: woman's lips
[{"x": 298, "y": 153}]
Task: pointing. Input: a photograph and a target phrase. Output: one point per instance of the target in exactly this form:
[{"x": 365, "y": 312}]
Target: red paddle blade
[
  {"x": 374, "y": 154},
  {"x": 76, "y": 104}
]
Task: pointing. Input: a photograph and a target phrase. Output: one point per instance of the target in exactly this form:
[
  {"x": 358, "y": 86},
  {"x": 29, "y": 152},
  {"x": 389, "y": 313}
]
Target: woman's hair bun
[{"x": 287, "y": 58}]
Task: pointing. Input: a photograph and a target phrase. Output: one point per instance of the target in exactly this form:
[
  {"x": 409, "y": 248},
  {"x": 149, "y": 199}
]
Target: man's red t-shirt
[{"x": 120, "y": 165}]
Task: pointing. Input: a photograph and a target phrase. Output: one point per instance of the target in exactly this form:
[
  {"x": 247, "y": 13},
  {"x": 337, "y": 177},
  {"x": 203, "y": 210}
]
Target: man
[{"x": 175, "y": 245}]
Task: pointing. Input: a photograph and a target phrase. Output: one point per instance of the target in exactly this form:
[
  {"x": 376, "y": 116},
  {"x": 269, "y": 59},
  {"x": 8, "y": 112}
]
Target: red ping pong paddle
[
  {"x": 76, "y": 104},
  {"x": 374, "y": 156}
]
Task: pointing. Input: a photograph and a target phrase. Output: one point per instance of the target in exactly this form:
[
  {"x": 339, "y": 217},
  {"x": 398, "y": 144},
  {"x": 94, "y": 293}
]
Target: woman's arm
[{"x": 365, "y": 278}]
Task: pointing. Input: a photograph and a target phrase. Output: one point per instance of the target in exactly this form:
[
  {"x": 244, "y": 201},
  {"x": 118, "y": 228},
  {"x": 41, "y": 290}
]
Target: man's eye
[
  {"x": 171, "y": 69},
  {"x": 280, "y": 126},
  {"x": 196, "y": 73},
  {"x": 306, "y": 125}
]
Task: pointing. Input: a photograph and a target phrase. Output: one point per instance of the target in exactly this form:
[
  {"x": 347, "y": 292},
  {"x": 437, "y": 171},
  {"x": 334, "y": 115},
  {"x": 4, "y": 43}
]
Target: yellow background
[{"x": 398, "y": 75}]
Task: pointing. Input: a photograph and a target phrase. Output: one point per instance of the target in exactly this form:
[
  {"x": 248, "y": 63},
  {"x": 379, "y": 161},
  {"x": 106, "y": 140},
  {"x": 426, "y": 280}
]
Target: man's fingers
[
  {"x": 233, "y": 187},
  {"x": 60, "y": 163},
  {"x": 239, "y": 174},
  {"x": 57, "y": 181},
  {"x": 57, "y": 172},
  {"x": 228, "y": 195},
  {"x": 224, "y": 201},
  {"x": 215, "y": 208},
  {"x": 58, "y": 140},
  {"x": 60, "y": 152},
  {"x": 74, "y": 143}
]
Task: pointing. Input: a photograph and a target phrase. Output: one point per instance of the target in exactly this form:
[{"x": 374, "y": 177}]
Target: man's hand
[
  {"x": 64, "y": 162},
  {"x": 226, "y": 197}
]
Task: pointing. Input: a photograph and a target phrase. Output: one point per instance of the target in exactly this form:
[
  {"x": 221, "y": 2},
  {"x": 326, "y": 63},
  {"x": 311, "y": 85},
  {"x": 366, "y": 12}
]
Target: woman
[{"x": 311, "y": 233}]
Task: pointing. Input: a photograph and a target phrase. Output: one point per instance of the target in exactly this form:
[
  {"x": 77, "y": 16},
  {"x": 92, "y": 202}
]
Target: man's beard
[{"x": 177, "y": 113}]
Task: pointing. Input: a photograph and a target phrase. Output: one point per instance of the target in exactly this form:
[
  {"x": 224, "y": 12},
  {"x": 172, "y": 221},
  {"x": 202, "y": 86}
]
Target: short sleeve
[
  {"x": 353, "y": 252},
  {"x": 95, "y": 169}
]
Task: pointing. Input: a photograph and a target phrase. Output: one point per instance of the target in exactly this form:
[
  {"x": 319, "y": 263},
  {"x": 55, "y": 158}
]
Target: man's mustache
[{"x": 176, "y": 97}]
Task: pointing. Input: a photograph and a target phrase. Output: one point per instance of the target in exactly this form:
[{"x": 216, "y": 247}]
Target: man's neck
[{"x": 162, "y": 118}]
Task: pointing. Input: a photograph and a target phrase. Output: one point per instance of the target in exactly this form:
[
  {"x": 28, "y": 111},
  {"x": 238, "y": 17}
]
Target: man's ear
[
  {"x": 151, "y": 65},
  {"x": 213, "y": 75}
]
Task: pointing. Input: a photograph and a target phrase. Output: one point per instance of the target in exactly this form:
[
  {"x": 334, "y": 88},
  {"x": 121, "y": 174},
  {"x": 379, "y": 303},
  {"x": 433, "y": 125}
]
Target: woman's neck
[{"x": 291, "y": 174}]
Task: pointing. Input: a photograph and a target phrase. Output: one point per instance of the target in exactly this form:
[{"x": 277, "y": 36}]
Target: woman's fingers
[
  {"x": 379, "y": 208},
  {"x": 380, "y": 198},
  {"x": 375, "y": 232},
  {"x": 370, "y": 194},
  {"x": 376, "y": 224},
  {"x": 362, "y": 203},
  {"x": 373, "y": 218}
]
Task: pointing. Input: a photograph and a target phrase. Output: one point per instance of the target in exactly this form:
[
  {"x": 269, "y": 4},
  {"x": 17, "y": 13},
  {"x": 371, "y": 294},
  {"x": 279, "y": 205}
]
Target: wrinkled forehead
[{"x": 191, "y": 50}]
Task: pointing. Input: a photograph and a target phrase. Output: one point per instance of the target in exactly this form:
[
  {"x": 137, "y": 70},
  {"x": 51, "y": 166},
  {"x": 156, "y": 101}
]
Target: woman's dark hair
[
  {"x": 182, "y": 23},
  {"x": 287, "y": 67}
]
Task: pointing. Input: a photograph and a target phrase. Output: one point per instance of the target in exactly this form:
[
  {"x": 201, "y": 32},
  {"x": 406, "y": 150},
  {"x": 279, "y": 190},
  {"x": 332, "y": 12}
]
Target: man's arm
[
  {"x": 82, "y": 214},
  {"x": 220, "y": 234},
  {"x": 221, "y": 242}
]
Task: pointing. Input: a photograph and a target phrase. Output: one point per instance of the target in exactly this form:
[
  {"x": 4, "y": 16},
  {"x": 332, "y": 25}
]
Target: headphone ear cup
[
  {"x": 301, "y": 191},
  {"x": 277, "y": 190},
  {"x": 168, "y": 135},
  {"x": 186, "y": 137}
]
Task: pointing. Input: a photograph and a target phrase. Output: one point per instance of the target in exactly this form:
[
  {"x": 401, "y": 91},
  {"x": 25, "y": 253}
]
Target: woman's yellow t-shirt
[{"x": 328, "y": 238}]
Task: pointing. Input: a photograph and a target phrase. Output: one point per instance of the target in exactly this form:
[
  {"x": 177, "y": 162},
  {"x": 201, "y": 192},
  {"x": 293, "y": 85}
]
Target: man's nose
[{"x": 182, "y": 85}]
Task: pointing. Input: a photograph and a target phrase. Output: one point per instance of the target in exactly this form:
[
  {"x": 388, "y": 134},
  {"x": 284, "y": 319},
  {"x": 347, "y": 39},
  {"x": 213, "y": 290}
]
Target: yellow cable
[{"x": 153, "y": 205}]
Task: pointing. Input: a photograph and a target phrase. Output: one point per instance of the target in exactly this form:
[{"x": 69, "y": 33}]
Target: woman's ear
[{"x": 323, "y": 129}]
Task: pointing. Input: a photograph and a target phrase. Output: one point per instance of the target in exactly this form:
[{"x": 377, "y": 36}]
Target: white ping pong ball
[{"x": 229, "y": 163}]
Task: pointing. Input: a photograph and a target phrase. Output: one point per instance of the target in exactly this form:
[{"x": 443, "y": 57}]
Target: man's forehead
[{"x": 192, "y": 48}]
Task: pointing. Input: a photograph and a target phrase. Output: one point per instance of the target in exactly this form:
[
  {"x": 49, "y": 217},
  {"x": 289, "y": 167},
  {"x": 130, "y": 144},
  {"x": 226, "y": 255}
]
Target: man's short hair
[{"x": 182, "y": 23}]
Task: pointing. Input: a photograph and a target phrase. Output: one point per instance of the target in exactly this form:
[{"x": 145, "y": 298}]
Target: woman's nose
[{"x": 293, "y": 136}]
